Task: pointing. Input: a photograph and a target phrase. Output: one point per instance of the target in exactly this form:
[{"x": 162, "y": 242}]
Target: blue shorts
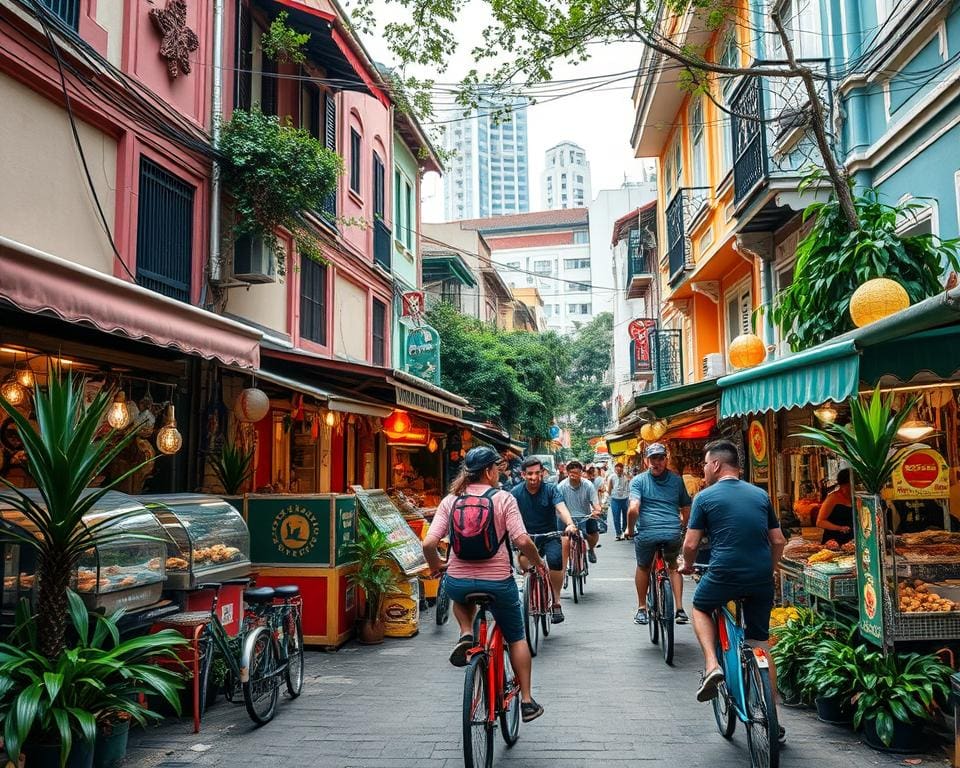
[
  {"x": 506, "y": 608},
  {"x": 588, "y": 524},
  {"x": 550, "y": 550},
  {"x": 757, "y": 603},
  {"x": 645, "y": 549}
]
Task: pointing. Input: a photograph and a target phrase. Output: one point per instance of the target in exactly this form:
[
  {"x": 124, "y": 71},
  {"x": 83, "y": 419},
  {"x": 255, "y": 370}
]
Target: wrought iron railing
[
  {"x": 681, "y": 213},
  {"x": 666, "y": 346},
  {"x": 638, "y": 264},
  {"x": 382, "y": 245},
  {"x": 164, "y": 232},
  {"x": 68, "y": 11}
]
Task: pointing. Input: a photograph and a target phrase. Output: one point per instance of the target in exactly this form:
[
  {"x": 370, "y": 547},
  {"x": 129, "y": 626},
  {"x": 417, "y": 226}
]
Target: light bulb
[
  {"x": 826, "y": 413},
  {"x": 118, "y": 416},
  {"x": 169, "y": 440},
  {"x": 13, "y": 391},
  {"x": 26, "y": 378},
  {"x": 330, "y": 419}
]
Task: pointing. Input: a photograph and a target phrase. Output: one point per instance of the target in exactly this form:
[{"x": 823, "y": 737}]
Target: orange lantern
[
  {"x": 747, "y": 350},
  {"x": 397, "y": 423},
  {"x": 647, "y": 433},
  {"x": 876, "y": 299}
]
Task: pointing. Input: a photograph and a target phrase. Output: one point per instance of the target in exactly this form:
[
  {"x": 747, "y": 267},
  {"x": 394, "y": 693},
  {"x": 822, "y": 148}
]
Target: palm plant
[
  {"x": 65, "y": 456},
  {"x": 233, "y": 466},
  {"x": 866, "y": 443},
  {"x": 374, "y": 575}
]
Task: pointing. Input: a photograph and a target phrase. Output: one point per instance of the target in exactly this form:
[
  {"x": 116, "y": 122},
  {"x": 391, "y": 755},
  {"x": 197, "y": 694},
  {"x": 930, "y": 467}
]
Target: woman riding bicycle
[{"x": 478, "y": 519}]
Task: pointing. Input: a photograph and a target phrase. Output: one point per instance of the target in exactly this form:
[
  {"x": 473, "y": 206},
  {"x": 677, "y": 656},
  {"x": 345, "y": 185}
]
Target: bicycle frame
[
  {"x": 494, "y": 648},
  {"x": 578, "y": 553},
  {"x": 731, "y": 647}
]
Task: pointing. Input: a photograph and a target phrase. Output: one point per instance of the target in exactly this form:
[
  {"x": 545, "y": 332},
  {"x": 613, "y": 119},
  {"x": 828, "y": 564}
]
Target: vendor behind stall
[{"x": 836, "y": 512}]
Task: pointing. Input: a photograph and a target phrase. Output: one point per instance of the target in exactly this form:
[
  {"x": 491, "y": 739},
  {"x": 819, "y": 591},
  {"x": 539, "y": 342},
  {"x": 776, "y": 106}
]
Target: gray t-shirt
[
  {"x": 619, "y": 486},
  {"x": 579, "y": 500},
  {"x": 660, "y": 501}
]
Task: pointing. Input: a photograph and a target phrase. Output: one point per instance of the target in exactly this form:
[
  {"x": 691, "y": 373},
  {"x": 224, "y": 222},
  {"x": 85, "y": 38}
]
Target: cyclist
[
  {"x": 479, "y": 518},
  {"x": 580, "y": 496},
  {"x": 659, "y": 505},
  {"x": 745, "y": 546},
  {"x": 541, "y": 506}
]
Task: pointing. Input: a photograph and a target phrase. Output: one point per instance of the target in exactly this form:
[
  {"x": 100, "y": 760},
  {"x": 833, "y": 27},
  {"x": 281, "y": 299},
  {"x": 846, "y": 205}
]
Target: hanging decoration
[
  {"x": 13, "y": 391},
  {"x": 118, "y": 416},
  {"x": 315, "y": 427},
  {"x": 659, "y": 429},
  {"x": 747, "y": 350},
  {"x": 169, "y": 439},
  {"x": 432, "y": 445},
  {"x": 397, "y": 423},
  {"x": 877, "y": 299},
  {"x": 647, "y": 434},
  {"x": 178, "y": 41},
  {"x": 330, "y": 418},
  {"x": 252, "y": 405},
  {"x": 826, "y": 413},
  {"x": 26, "y": 377}
]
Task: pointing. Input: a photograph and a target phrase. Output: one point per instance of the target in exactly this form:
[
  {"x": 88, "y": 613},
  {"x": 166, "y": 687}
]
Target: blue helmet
[{"x": 478, "y": 459}]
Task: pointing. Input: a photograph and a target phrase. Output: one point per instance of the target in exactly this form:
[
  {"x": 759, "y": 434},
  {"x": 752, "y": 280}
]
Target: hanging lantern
[
  {"x": 432, "y": 445},
  {"x": 647, "y": 434},
  {"x": 397, "y": 423},
  {"x": 118, "y": 416},
  {"x": 747, "y": 350},
  {"x": 914, "y": 428},
  {"x": 169, "y": 440},
  {"x": 330, "y": 419},
  {"x": 826, "y": 413},
  {"x": 876, "y": 299},
  {"x": 13, "y": 391},
  {"x": 26, "y": 378},
  {"x": 659, "y": 429},
  {"x": 252, "y": 405}
]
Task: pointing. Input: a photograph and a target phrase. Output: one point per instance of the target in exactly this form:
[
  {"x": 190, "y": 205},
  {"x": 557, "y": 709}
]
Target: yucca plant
[
  {"x": 55, "y": 701},
  {"x": 374, "y": 575},
  {"x": 65, "y": 457},
  {"x": 866, "y": 443},
  {"x": 233, "y": 466}
]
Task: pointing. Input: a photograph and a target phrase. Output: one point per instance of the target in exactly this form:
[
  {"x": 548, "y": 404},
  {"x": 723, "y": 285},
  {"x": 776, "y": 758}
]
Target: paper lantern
[
  {"x": 169, "y": 440},
  {"x": 876, "y": 299},
  {"x": 659, "y": 429},
  {"x": 397, "y": 423},
  {"x": 647, "y": 433},
  {"x": 252, "y": 405},
  {"x": 118, "y": 416},
  {"x": 747, "y": 350},
  {"x": 13, "y": 391},
  {"x": 26, "y": 378}
]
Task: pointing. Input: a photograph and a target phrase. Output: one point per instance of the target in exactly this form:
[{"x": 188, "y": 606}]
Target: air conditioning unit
[
  {"x": 253, "y": 260},
  {"x": 714, "y": 366}
]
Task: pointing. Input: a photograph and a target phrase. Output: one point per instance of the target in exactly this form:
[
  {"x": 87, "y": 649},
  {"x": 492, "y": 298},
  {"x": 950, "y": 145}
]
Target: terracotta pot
[{"x": 370, "y": 631}]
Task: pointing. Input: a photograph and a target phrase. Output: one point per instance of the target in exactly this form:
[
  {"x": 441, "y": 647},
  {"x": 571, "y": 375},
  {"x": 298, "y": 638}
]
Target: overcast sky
[{"x": 599, "y": 120}]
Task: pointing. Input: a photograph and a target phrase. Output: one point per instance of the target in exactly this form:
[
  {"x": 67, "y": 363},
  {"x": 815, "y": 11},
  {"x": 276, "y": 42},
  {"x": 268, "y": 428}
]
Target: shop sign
[
  {"x": 285, "y": 530},
  {"x": 759, "y": 455},
  {"x": 387, "y": 518},
  {"x": 412, "y": 307},
  {"x": 425, "y": 403},
  {"x": 639, "y": 331},
  {"x": 346, "y": 535},
  {"x": 922, "y": 474},
  {"x": 421, "y": 353},
  {"x": 868, "y": 530},
  {"x": 295, "y": 530}
]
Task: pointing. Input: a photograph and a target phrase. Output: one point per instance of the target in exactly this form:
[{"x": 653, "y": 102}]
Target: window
[
  {"x": 68, "y": 11},
  {"x": 579, "y": 179},
  {"x": 313, "y": 301},
  {"x": 379, "y": 333},
  {"x": 354, "y": 161},
  {"x": 581, "y": 236},
  {"x": 164, "y": 232},
  {"x": 310, "y": 111},
  {"x": 512, "y": 264},
  {"x": 739, "y": 311},
  {"x": 578, "y": 309},
  {"x": 408, "y": 210},
  {"x": 579, "y": 287},
  {"x": 729, "y": 57},
  {"x": 576, "y": 263},
  {"x": 450, "y": 292},
  {"x": 243, "y": 86},
  {"x": 801, "y": 21},
  {"x": 398, "y": 224},
  {"x": 543, "y": 267},
  {"x": 699, "y": 150},
  {"x": 379, "y": 188}
]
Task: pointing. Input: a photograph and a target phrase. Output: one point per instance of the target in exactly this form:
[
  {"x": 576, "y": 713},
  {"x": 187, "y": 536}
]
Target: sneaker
[
  {"x": 556, "y": 615},
  {"x": 681, "y": 617},
  {"x": 530, "y": 710},
  {"x": 782, "y": 736},
  {"x": 709, "y": 684},
  {"x": 619, "y": 537},
  {"x": 592, "y": 556},
  {"x": 641, "y": 617},
  {"x": 458, "y": 657}
]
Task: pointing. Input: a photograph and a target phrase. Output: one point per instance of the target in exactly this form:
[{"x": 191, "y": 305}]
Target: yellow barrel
[{"x": 401, "y": 610}]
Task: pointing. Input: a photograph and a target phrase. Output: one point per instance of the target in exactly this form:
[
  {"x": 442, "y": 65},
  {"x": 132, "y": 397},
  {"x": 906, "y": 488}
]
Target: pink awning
[{"x": 38, "y": 282}]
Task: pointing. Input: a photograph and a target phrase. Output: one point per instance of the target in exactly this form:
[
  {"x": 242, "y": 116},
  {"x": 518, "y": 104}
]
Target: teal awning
[
  {"x": 670, "y": 401},
  {"x": 935, "y": 351},
  {"x": 446, "y": 266},
  {"x": 826, "y": 372}
]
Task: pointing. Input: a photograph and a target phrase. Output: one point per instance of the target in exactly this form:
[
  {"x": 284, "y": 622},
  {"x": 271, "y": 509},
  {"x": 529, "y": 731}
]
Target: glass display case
[
  {"x": 207, "y": 539},
  {"x": 124, "y": 572}
]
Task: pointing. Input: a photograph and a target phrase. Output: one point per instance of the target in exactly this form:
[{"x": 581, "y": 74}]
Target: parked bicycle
[
  {"x": 267, "y": 650},
  {"x": 578, "y": 567},
  {"x": 491, "y": 692},
  {"x": 537, "y": 599},
  {"x": 442, "y": 608},
  {"x": 660, "y": 606}
]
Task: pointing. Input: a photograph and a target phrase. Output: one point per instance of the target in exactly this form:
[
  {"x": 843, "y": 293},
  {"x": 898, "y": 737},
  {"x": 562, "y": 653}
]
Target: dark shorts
[
  {"x": 588, "y": 524},
  {"x": 506, "y": 609},
  {"x": 645, "y": 549},
  {"x": 757, "y": 603},
  {"x": 551, "y": 550}
]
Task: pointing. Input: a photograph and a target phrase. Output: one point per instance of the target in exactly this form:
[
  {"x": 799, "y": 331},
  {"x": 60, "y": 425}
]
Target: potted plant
[
  {"x": 233, "y": 467},
  {"x": 793, "y": 646},
  {"x": 832, "y": 676},
  {"x": 113, "y": 730},
  {"x": 374, "y": 575},
  {"x": 897, "y": 695},
  {"x": 51, "y": 707}
]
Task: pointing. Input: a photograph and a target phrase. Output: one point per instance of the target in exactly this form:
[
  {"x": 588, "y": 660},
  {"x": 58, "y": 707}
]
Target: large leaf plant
[
  {"x": 793, "y": 647},
  {"x": 67, "y": 453},
  {"x": 374, "y": 575},
  {"x": 233, "y": 466}
]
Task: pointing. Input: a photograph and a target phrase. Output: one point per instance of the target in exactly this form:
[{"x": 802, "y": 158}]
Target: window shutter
[
  {"x": 746, "y": 310},
  {"x": 268, "y": 87},
  {"x": 243, "y": 58},
  {"x": 330, "y": 124}
]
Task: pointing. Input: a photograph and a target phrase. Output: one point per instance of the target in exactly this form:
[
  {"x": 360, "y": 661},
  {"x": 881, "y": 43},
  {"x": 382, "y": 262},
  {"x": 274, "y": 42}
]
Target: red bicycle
[
  {"x": 490, "y": 689},
  {"x": 537, "y": 599},
  {"x": 578, "y": 567},
  {"x": 660, "y": 606}
]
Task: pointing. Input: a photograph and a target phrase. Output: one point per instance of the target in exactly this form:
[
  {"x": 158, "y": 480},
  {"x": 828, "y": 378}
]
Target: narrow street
[{"x": 609, "y": 699}]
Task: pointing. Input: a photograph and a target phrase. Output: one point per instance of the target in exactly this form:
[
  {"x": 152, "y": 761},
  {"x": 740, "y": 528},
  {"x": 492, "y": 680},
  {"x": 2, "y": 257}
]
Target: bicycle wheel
[
  {"x": 443, "y": 602},
  {"x": 547, "y": 606},
  {"x": 763, "y": 730},
  {"x": 294, "y": 640},
  {"x": 723, "y": 712},
  {"x": 575, "y": 580},
  {"x": 531, "y": 622},
  {"x": 262, "y": 688},
  {"x": 510, "y": 711},
  {"x": 665, "y": 617},
  {"x": 207, "y": 650},
  {"x": 652, "y": 610},
  {"x": 477, "y": 729}
]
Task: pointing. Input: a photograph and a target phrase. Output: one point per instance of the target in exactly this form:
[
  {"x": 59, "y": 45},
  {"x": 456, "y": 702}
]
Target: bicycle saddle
[
  {"x": 287, "y": 591},
  {"x": 480, "y": 598},
  {"x": 259, "y": 595}
]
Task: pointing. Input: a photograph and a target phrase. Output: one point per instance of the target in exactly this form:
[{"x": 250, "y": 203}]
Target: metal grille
[
  {"x": 268, "y": 87},
  {"x": 68, "y": 11},
  {"x": 830, "y": 586},
  {"x": 666, "y": 347},
  {"x": 313, "y": 301},
  {"x": 381, "y": 244},
  {"x": 164, "y": 232},
  {"x": 676, "y": 236},
  {"x": 330, "y": 142},
  {"x": 379, "y": 332},
  {"x": 747, "y": 135},
  {"x": 244, "y": 58}
]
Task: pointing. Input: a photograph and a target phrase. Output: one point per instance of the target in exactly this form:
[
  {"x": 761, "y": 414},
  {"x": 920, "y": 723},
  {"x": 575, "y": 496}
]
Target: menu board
[
  {"x": 385, "y": 515},
  {"x": 345, "y": 510},
  {"x": 868, "y": 527}
]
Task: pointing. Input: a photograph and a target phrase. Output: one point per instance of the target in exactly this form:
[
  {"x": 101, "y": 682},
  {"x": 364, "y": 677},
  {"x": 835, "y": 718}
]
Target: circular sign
[
  {"x": 554, "y": 432},
  {"x": 920, "y": 469},
  {"x": 870, "y": 599},
  {"x": 295, "y": 531},
  {"x": 758, "y": 441}
]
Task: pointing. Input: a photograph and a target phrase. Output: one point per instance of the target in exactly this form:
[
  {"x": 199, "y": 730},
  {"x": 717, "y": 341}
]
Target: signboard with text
[
  {"x": 639, "y": 331},
  {"x": 384, "y": 514},
  {"x": 922, "y": 474},
  {"x": 420, "y": 355},
  {"x": 759, "y": 455},
  {"x": 867, "y": 528}
]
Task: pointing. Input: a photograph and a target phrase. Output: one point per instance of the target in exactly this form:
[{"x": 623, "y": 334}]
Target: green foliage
[
  {"x": 866, "y": 443},
  {"x": 274, "y": 173},
  {"x": 233, "y": 466},
  {"x": 832, "y": 262},
  {"x": 282, "y": 44},
  {"x": 834, "y": 667},
  {"x": 374, "y": 574},
  {"x": 584, "y": 389},
  {"x": 57, "y": 700},
  {"x": 905, "y": 687},
  {"x": 66, "y": 455},
  {"x": 795, "y": 648}
]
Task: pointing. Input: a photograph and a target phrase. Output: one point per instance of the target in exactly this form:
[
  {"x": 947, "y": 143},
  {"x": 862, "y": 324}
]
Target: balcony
[
  {"x": 657, "y": 356},
  {"x": 683, "y": 211},
  {"x": 776, "y": 149},
  {"x": 639, "y": 268},
  {"x": 382, "y": 245}
]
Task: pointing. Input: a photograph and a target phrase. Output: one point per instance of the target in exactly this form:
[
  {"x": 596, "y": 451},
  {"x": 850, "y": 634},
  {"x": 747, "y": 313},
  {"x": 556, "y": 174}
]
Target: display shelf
[
  {"x": 902, "y": 627},
  {"x": 830, "y": 586}
]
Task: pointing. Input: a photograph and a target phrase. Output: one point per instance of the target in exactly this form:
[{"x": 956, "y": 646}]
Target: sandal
[
  {"x": 458, "y": 656},
  {"x": 530, "y": 710}
]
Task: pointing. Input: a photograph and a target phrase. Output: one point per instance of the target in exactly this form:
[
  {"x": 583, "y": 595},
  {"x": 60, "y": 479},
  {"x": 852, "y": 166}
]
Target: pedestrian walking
[{"x": 618, "y": 490}]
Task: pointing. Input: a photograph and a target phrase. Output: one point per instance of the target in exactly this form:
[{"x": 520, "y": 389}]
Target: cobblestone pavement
[{"x": 610, "y": 701}]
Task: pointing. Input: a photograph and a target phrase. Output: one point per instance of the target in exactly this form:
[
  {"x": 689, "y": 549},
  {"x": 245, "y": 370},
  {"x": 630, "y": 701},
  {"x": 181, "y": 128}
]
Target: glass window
[
  {"x": 699, "y": 147},
  {"x": 543, "y": 267},
  {"x": 411, "y": 221},
  {"x": 379, "y": 333},
  {"x": 729, "y": 57},
  {"x": 354, "y": 161},
  {"x": 581, "y": 237},
  {"x": 313, "y": 300},
  {"x": 576, "y": 263}
]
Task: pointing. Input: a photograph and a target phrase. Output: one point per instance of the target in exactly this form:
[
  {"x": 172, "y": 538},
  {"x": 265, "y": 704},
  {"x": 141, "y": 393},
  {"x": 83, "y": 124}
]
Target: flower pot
[
  {"x": 791, "y": 698},
  {"x": 907, "y": 737},
  {"x": 48, "y": 755},
  {"x": 835, "y": 710},
  {"x": 371, "y": 631},
  {"x": 111, "y": 746}
]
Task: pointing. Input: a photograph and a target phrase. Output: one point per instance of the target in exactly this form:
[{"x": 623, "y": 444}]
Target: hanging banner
[
  {"x": 922, "y": 474},
  {"x": 421, "y": 354},
  {"x": 759, "y": 457},
  {"x": 867, "y": 530},
  {"x": 639, "y": 331},
  {"x": 412, "y": 306}
]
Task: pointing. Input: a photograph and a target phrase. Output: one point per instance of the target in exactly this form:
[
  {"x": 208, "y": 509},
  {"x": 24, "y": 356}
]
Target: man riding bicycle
[
  {"x": 745, "y": 546},
  {"x": 580, "y": 496},
  {"x": 541, "y": 506},
  {"x": 479, "y": 519},
  {"x": 659, "y": 505}
]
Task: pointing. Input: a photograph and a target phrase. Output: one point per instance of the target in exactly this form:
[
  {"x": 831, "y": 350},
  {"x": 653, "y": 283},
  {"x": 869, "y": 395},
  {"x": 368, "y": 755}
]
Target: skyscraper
[
  {"x": 565, "y": 182},
  {"x": 488, "y": 173}
]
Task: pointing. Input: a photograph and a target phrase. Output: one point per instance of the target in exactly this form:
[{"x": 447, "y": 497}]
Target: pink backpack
[{"x": 473, "y": 530}]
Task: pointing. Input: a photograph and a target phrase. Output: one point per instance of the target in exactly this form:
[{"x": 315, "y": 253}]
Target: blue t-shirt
[
  {"x": 738, "y": 517},
  {"x": 660, "y": 501},
  {"x": 579, "y": 500},
  {"x": 539, "y": 512}
]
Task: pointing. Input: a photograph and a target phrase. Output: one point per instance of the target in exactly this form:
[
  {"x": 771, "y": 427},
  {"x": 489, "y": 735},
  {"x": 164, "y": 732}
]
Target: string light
[{"x": 118, "y": 416}]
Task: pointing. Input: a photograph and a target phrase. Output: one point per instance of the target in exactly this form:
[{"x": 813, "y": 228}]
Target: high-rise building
[
  {"x": 488, "y": 170},
  {"x": 565, "y": 182}
]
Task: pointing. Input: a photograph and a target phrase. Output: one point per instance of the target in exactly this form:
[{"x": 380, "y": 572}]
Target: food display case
[{"x": 207, "y": 539}]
